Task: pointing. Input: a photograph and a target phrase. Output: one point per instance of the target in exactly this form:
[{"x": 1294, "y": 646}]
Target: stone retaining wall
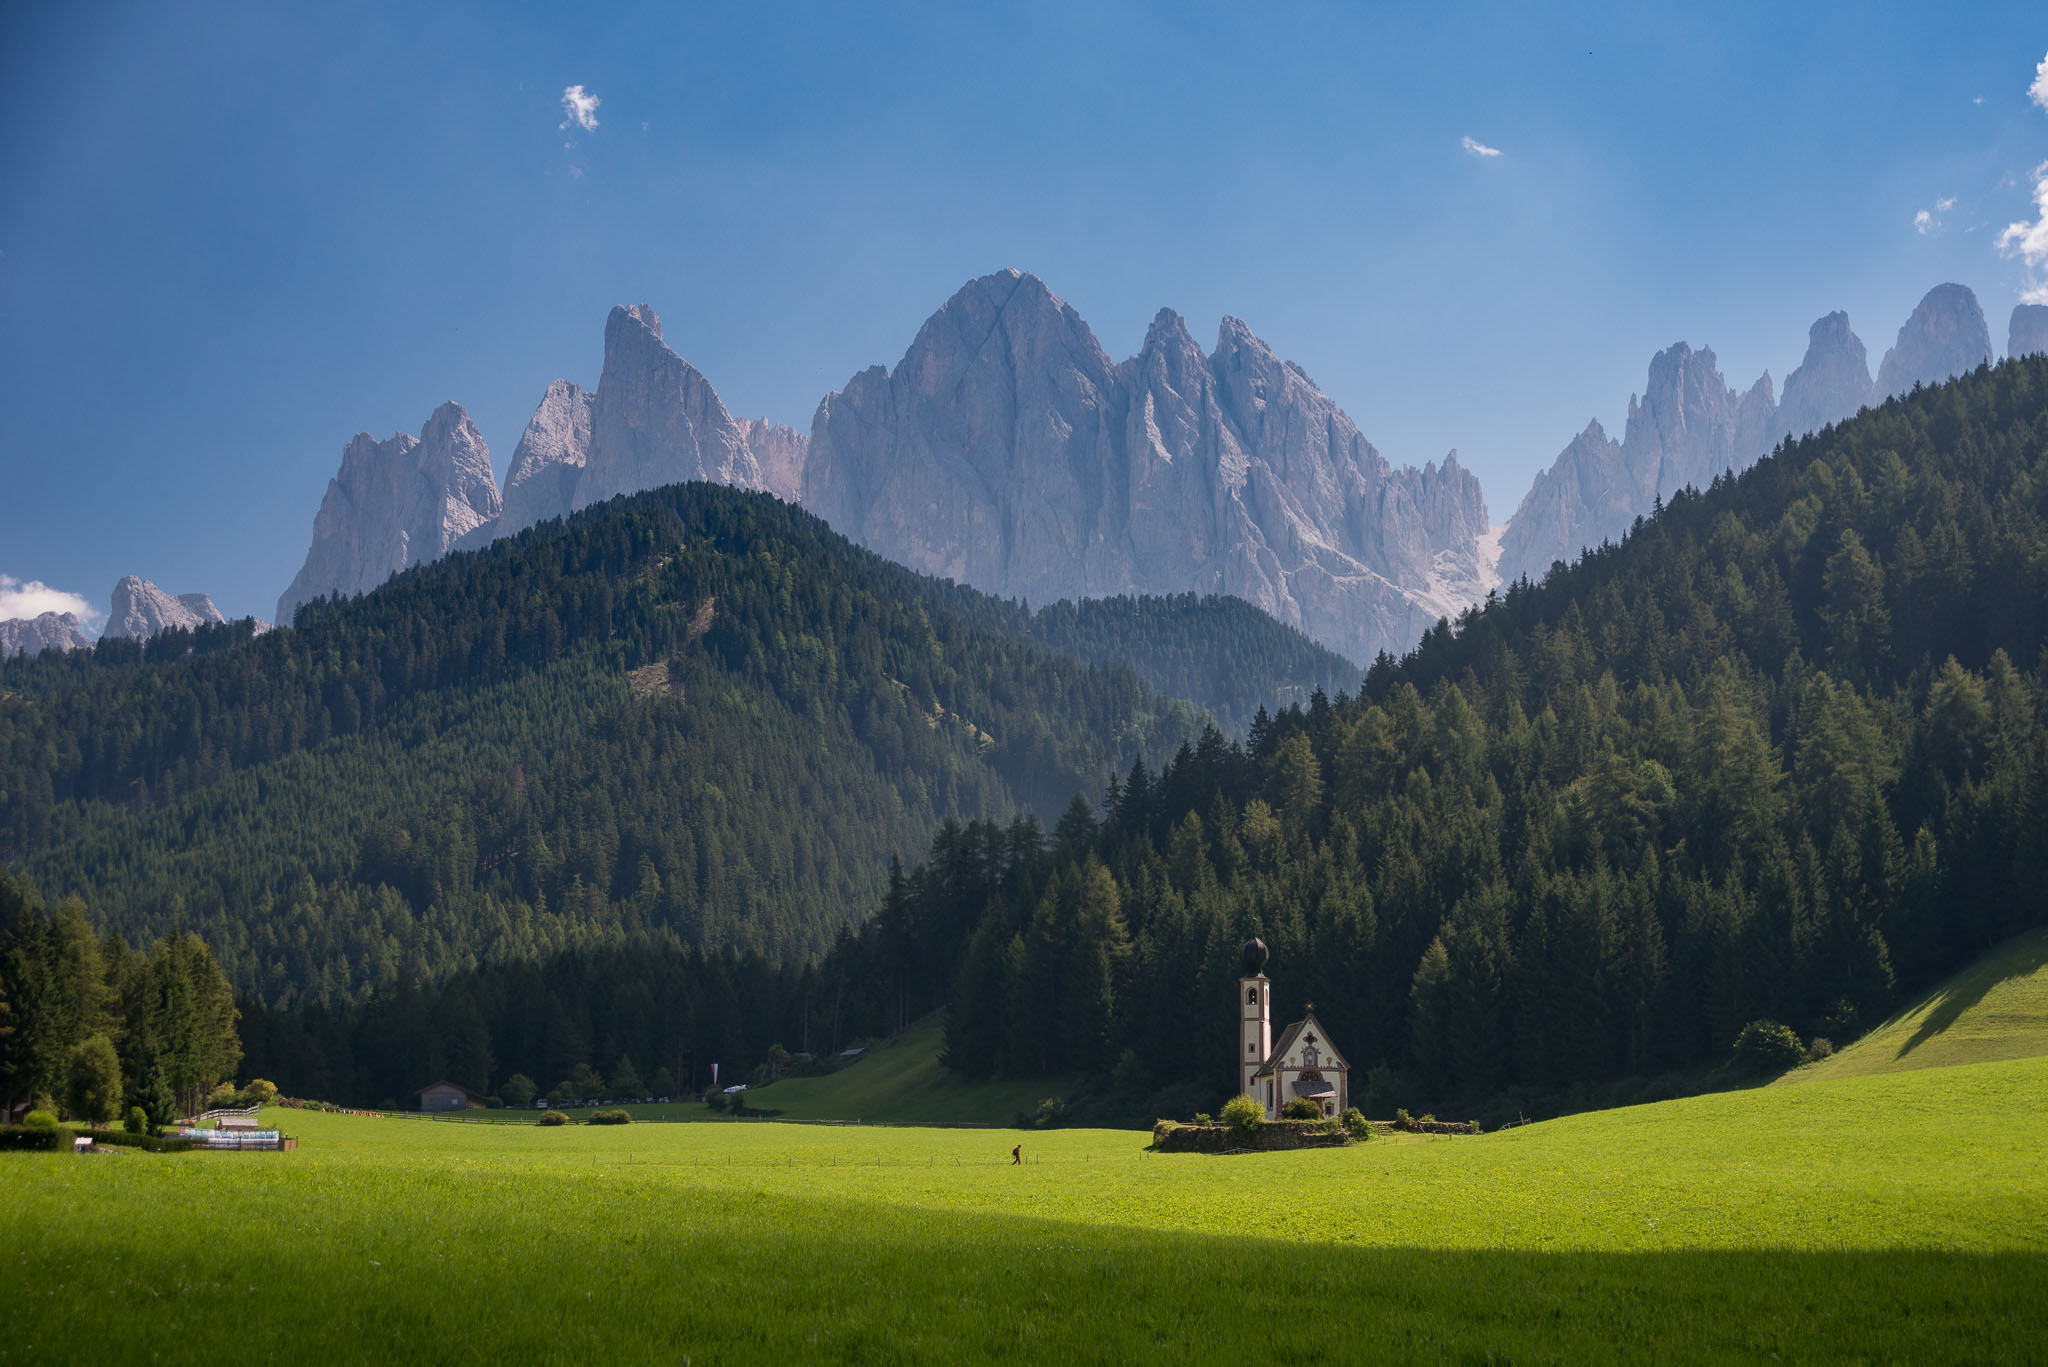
[
  {"x": 1430, "y": 1126},
  {"x": 1272, "y": 1136}
]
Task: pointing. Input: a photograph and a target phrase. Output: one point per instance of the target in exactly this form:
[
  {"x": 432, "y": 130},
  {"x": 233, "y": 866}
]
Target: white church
[{"x": 1303, "y": 1064}]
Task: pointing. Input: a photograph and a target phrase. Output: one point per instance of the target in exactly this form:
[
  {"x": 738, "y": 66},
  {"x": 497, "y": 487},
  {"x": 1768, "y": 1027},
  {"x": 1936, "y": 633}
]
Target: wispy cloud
[
  {"x": 33, "y": 598},
  {"x": 580, "y": 107},
  {"x": 1928, "y": 221},
  {"x": 2038, "y": 91},
  {"x": 1480, "y": 149}
]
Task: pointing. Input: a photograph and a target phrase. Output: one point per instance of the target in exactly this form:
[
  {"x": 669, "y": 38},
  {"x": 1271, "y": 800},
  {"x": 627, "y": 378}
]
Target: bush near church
[{"x": 1243, "y": 1117}]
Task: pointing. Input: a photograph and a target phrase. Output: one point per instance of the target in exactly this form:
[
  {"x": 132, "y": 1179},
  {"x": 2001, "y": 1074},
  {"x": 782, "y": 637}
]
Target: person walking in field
[{"x": 1016, "y": 1155}]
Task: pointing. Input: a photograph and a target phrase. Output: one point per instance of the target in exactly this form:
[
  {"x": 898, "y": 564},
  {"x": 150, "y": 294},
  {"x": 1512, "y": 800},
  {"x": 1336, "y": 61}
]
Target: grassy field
[
  {"x": 1898, "y": 1217},
  {"x": 902, "y": 1080},
  {"x": 1997, "y": 1008}
]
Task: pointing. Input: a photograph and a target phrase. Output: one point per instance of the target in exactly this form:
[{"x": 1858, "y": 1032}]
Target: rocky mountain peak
[
  {"x": 781, "y": 451},
  {"x": 396, "y": 503},
  {"x": 1945, "y": 337},
  {"x": 1685, "y": 429},
  {"x": 656, "y": 420},
  {"x": 2028, "y": 331},
  {"x": 1689, "y": 424},
  {"x": 1007, "y": 451},
  {"x": 139, "y": 610},
  {"x": 625, "y": 314},
  {"x": 47, "y": 631},
  {"x": 540, "y": 483},
  {"x": 1832, "y": 381}
]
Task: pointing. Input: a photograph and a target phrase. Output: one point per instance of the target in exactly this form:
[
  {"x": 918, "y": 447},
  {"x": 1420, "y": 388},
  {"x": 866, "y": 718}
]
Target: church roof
[
  {"x": 1286, "y": 1042},
  {"x": 1315, "y": 1088}
]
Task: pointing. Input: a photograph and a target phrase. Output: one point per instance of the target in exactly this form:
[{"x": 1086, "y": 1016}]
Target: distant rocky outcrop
[
  {"x": 49, "y": 631},
  {"x": 541, "y": 481},
  {"x": 396, "y": 503},
  {"x": 780, "y": 451},
  {"x": 139, "y": 610},
  {"x": 1945, "y": 337},
  {"x": 653, "y": 420},
  {"x": 1580, "y": 501},
  {"x": 2028, "y": 331},
  {"x": 1686, "y": 428},
  {"x": 1831, "y": 384},
  {"x": 1006, "y": 450},
  {"x": 1689, "y": 427},
  {"x": 656, "y": 419}
]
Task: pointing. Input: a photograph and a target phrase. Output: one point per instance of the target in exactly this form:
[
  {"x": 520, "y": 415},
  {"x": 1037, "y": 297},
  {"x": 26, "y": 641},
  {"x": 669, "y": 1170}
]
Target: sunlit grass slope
[
  {"x": 1997, "y": 1008},
  {"x": 1901, "y": 1217},
  {"x": 903, "y": 1080}
]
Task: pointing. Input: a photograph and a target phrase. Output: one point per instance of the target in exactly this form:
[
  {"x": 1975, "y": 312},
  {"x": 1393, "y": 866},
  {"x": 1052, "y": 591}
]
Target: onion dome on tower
[{"x": 1254, "y": 957}]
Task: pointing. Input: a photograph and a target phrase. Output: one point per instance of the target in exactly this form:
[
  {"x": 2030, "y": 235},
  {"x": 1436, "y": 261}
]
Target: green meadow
[{"x": 1897, "y": 1217}]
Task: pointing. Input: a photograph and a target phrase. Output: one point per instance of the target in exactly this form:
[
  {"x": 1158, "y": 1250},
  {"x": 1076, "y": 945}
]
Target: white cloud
[
  {"x": 581, "y": 107},
  {"x": 1923, "y": 223},
  {"x": 1480, "y": 149},
  {"x": 2029, "y": 241},
  {"x": 2038, "y": 91},
  {"x": 33, "y": 598}
]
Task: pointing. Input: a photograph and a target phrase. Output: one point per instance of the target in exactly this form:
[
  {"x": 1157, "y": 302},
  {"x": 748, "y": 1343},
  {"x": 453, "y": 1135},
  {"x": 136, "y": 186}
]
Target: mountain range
[
  {"x": 1008, "y": 451},
  {"x": 1688, "y": 426}
]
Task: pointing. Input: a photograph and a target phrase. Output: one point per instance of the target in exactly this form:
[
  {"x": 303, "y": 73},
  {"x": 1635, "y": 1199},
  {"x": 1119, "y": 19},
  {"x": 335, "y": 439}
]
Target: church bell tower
[{"x": 1255, "y": 1006}]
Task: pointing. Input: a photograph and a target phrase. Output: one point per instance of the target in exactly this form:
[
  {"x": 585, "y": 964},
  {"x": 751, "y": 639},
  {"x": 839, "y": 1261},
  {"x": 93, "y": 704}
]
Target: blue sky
[{"x": 235, "y": 236}]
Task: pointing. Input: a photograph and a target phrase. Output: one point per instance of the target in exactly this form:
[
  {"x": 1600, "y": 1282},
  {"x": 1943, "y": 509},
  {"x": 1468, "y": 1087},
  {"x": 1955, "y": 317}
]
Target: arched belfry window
[{"x": 1251, "y": 998}]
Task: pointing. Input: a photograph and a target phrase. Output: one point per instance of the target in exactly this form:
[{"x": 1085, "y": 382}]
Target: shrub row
[{"x": 43, "y": 1137}]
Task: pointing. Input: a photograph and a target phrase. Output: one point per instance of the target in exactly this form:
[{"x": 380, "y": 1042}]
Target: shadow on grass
[{"x": 2024, "y": 955}]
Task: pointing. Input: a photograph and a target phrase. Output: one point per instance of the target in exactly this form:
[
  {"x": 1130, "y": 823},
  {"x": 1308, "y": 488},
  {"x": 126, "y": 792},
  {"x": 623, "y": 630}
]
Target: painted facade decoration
[{"x": 1302, "y": 1063}]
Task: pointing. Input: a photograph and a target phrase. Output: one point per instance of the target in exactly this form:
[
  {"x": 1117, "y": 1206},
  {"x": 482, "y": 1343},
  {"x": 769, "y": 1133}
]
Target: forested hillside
[
  {"x": 695, "y": 711},
  {"x": 1782, "y": 754}
]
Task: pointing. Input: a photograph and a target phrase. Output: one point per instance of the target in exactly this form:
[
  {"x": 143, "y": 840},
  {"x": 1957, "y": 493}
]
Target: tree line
[{"x": 95, "y": 1027}]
